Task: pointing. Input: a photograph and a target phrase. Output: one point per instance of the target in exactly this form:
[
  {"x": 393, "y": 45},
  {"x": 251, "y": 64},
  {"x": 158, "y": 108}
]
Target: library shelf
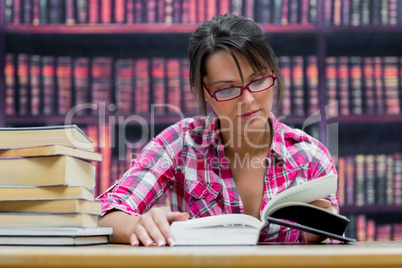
[
  {"x": 364, "y": 29},
  {"x": 139, "y": 28},
  {"x": 371, "y": 209},
  {"x": 355, "y": 119}
]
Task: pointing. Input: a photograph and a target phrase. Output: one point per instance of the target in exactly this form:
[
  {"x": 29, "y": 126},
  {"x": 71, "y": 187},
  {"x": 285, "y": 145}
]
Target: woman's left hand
[{"x": 313, "y": 238}]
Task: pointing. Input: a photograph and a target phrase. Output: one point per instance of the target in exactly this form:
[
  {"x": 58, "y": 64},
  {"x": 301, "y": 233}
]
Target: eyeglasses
[{"x": 231, "y": 93}]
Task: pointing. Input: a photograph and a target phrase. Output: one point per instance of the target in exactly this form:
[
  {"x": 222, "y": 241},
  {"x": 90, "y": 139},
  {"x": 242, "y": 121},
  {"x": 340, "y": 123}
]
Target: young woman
[{"x": 233, "y": 160}]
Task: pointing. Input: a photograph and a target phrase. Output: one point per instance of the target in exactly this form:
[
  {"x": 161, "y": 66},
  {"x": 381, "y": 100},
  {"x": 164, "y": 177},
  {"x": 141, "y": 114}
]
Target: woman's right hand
[
  {"x": 154, "y": 227},
  {"x": 147, "y": 229}
]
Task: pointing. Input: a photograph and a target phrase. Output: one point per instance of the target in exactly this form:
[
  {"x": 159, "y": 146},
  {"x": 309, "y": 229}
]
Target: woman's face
[{"x": 247, "y": 113}]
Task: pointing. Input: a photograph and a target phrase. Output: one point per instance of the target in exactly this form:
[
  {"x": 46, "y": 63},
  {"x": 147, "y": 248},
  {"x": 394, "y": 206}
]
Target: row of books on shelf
[
  {"x": 364, "y": 228},
  {"x": 364, "y": 85},
  {"x": 366, "y": 180},
  {"x": 47, "y": 85},
  {"x": 363, "y": 12},
  {"x": 38, "y": 12},
  {"x": 51, "y": 200}
]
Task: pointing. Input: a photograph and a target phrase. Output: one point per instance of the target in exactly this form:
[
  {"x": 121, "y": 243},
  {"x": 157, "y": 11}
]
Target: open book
[{"x": 289, "y": 208}]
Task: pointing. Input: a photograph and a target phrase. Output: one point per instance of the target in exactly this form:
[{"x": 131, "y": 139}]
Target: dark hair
[{"x": 231, "y": 33}]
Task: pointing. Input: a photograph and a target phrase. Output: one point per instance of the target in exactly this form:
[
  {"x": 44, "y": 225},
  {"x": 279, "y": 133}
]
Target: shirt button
[{"x": 205, "y": 193}]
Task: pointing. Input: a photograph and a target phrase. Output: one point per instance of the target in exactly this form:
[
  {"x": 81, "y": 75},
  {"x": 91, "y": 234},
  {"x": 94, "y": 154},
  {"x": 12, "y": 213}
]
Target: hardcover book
[{"x": 289, "y": 208}]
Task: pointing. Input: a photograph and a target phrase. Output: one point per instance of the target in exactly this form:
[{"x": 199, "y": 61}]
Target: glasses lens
[
  {"x": 228, "y": 94},
  {"x": 262, "y": 84}
]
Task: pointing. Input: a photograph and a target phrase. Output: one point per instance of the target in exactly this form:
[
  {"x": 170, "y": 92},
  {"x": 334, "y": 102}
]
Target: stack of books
[{"x": 46, "y": 187}]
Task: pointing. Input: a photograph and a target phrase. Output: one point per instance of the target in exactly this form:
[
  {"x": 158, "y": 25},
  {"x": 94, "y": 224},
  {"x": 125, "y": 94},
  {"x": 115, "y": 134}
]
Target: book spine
[
  {"x": 376, "y": 12},
  {"x": 390, "y": 76},
  {"x": 345, "y": 12},
  {"x": 384, "y": 13},
  {"x": 284, "y": 62},
  {"x": 81, "y": 84},
  {"x": 337, "y": 21},
  {"x": 64, "y": 85},
  {"x": 341, "y": 181},
  {"x": 389, "y": 187},
  {"x": 35, "y": 84},
  {"x": 93, "y": 133},
  {"x": 130, "y": 11},
  {"x": 106, "y": 151},
  {"x": 370, "y": 180},
  {"x": 56, "y": 12},
  {"x": 350, "y": 183},
  {"x": 237, "y": 7},
  {"x": 397, "y": 195},
  {"x": 35, "y": 12},
  {"x": 201, "y": 12},
  {"x": 188, "y": 101},
  {"x": 211, "y": 9},
  {"x": 356, "y": 85},
  {"x": 82, "y": 11},
  {"x": 263, "y": 11},
  {"x": 9, "y": 73},
  {"x": 331, "y": 83},
  {"x": 70, "y": 8},
  {"x": 285, "y": 12},
  {"x": 277, "y": 11},
  {"x": 173, "y": 86},
  {"x": 379, "y": 85},
  {"x": 185, "y": 14},
  {"x": 328, "y": 8},
  {"x": 312, "y": 84},
  {"x": 160, "y": 11},
  {"x": 151, "y": 11},
  {"x": 142, "y": 86},
  {"x": 298, "y": 85},
  {"x": 368, "y": 73},
  {"x": 101, "y": 82},
  {"x": 120, "y": 11},
  {"x": 23, "y": 84},
  {"x": 355, "y": 12},
  {"x": 168, "y": 12},
  {"x": 304, "y": 12},
  {"x": 365, "y": 13},
  {"x": 360, "y": 189},
  {"x": 392, "y": 12},
  {"x": 17, "y": 11},
  {"x": 249, "y": 9},
  {"x": 294, "y": 12},
  {"x": 192, "y": 8},
  {"x": 106, "y": 11},
  {"x": 158, "y": 83},
  {"x": 380, "y": 173},
  {"x": 399, "y": 15},
  {"x": 8, "y": 11},
  {"x": 93, "y": 11},
  {"x": 343, "y": 74},
  {"x": 124, "y": 85},
  {"x": 224, "y": 6},
  {"x": 49, "y": 87},
  {"x": 139, "y": 11},
  {"x": 27, "y": 12},
  {"x": 313, "y": 11}
]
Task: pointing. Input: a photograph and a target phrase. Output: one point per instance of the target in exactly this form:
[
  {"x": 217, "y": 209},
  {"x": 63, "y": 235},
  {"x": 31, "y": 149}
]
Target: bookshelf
[{"x": 335, "y": 33}]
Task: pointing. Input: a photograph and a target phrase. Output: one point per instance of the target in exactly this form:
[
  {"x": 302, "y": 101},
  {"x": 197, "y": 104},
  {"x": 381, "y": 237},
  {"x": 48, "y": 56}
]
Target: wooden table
[{"x": 367, "y": 255}]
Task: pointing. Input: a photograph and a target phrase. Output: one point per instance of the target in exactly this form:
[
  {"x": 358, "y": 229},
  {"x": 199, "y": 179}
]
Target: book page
[{"x": 305, "y": 193}]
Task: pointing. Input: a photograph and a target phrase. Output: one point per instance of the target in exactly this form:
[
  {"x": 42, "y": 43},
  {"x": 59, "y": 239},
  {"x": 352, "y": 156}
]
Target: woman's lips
[{"x": 250, "y": 114}]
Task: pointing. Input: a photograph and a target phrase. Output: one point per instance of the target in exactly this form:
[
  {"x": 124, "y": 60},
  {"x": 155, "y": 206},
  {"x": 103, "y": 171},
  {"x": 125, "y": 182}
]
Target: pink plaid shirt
[{"x": 187, "y": 159}]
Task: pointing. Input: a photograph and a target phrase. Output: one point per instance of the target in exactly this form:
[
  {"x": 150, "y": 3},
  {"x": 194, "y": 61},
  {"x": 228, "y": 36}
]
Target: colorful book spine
[
  {"x": 130, "y": 13},
  {"x": 211, "y": 9},
  {"x": 160, "y": 11},
  {"x": 189, "y": 103},
  {"x": 343, "y": 76},
  {"x": 101, "y": 83},
  {"x": 389, "y": 188},
  {"x": 8, "y": 11},
  {"x": 35, "y": 12},
  {"x": 345, "y": 12},
  {"x": 81, "y": 85},
  {"x": 360, "y": 178},
  {"x": 263, "y": 11},
  {"x": 142, "y": 86},
  {"x": 64, "y": 85},
  {"x": 249, "y": 6},
  {"x": 368, "y": 80},
  {"x": 328, "y": 8},
  {"x": 285, "y": 12},
  {"x": 124, "y": 85},
  {"x": 119, "y": 11},
  {"x": 376, "y": 12},
  {"x": 397, "y": 195},
  {"x": 49, "y": 85},
  {"x": 284, "y": 63},
  {"x": 93, "y": 11},
  {"x": 151, "y": 11},
  {"x": 56, "y": 12},
  {"x": 313, "y": 11},
  {"x": 355, "y": 12},
  {"x": 298, "y": 85},
  {"x": 390, "y": 76},
  {"x": 365, "y": 12},
  {"x": 82, "y": 11},
  {"x": 35, "y": 84},
  {"x": 341, "y": 181},
  {"x": 380, "y": 106},
  {"x": 384, "y": 13},
  {"x": 331, "y": 83},
  {"x": 158, "y": 84},
  {"x": 106, "y": 151},
  {"x": 10, "y": 85},
  {"x": 70, "y": 10},
  {"x": 380, "y": 173},
  {"x": 370, "y": 183},
  {"x": 23, "y": 84},
  {"x": 277, "y": 11},
  {"x": 356, "y": 85},
  {"x": 173, "y": 85},
  {"x": 350, "y": 181},
  {"x": 337, "y": 17},
  {"x": 27, "y": 11},
  {"x": 312, "y": 84}
]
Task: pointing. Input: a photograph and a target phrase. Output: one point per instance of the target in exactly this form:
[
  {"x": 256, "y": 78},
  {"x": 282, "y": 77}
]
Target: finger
[
  {"x": 143, "y": 236},
  {"x": 177, "y": 216},
  {"x": 154, "y": 232},
  {"x": 134, "y": 240}
]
